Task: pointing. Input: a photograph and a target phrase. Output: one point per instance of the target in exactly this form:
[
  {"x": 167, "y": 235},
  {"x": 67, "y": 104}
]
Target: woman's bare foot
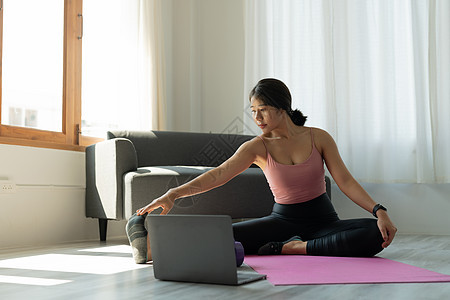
[{"x": 294, "y": 247}]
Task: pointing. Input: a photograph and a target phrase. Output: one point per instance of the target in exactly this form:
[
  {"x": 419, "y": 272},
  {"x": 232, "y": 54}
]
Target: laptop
[{"x": 195, "y": 248}]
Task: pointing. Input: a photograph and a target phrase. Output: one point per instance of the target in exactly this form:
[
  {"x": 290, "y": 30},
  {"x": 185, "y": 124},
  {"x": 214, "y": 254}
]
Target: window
[
  {"x": 38, "y": 105},
  {"x": 40, "y": 95}
]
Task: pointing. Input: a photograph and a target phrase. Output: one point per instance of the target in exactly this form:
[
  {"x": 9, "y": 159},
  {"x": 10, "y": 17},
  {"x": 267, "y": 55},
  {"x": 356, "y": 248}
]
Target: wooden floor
[{"x": 95, "y": 270}]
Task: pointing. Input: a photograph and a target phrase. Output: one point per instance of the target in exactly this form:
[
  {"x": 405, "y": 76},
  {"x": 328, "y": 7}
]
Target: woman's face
[{"x": 266, "y": 117}]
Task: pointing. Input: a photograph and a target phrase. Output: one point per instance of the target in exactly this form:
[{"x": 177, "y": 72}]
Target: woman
[{"x": 291, "y": 155}]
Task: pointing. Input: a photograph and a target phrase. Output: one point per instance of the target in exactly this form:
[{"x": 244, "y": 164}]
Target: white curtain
[
  {"x": 123, "y": 70},
  {"x": 375, "y": 74}
]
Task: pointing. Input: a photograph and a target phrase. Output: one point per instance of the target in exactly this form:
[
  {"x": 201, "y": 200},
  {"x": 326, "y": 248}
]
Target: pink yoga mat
[{"x": 303, "y": 269}]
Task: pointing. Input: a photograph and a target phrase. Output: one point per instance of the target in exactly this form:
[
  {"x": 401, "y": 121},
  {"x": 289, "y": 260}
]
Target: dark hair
[{"x": 275, "y": 93}]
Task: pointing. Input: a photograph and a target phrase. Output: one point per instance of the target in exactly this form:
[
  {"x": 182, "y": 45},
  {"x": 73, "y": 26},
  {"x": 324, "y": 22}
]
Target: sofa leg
[{"x": 102, "y": 226}]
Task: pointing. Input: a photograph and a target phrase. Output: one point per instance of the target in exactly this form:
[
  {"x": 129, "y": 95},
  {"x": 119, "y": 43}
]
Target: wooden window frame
[{"x": 70, "y": 138}]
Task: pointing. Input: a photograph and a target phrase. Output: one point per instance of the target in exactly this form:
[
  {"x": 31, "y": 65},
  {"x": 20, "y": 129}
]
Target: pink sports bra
[{"x": 291, "y": 184}]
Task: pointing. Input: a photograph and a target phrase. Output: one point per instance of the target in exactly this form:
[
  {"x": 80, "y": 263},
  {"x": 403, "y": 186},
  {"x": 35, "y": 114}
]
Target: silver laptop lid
[{"x": 193, "y": 248}]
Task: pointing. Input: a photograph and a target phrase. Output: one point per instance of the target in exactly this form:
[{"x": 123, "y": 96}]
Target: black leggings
[{"x": 314, "y": 221}]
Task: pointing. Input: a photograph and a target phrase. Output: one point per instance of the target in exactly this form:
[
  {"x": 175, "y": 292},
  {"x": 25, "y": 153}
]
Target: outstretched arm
[
  {"x": 351, "y": 188},
  {"x": 240, "y": 161}
]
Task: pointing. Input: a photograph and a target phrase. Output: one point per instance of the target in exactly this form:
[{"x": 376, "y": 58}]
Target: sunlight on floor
[
  {"x": 85, "y": 264},
  {"x": 110, "y": 249},
  {"x": 32, "y": 280}
]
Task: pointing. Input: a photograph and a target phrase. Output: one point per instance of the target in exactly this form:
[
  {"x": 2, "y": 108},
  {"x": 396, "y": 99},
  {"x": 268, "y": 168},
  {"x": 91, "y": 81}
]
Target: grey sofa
[{"x": 131, "y": 168}]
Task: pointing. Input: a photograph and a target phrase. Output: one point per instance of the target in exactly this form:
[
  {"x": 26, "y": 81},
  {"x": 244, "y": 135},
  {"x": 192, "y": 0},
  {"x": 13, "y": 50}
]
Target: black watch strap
[{"x": 376, "y": 208}]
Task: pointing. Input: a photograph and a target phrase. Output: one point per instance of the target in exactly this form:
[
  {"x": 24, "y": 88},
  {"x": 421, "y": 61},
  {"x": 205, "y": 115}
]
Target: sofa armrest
[{"x": 106, "y": 163}]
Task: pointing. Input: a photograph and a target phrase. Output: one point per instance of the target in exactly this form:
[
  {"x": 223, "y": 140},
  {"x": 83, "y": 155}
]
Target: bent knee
[{"x": 371, "y": 238}]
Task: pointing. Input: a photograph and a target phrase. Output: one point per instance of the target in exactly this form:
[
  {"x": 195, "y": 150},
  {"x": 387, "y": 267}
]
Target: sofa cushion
[{"x": 236, "y": 198}]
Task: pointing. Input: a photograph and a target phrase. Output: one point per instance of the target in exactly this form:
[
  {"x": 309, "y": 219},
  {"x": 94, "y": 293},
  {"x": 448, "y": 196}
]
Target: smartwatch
[{"x": 376, "y": 208}]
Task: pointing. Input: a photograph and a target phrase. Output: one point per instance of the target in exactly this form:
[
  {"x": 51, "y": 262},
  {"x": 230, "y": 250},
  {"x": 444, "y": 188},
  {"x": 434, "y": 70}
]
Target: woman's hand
[
  {"x": 165, "y": 201},
  {"x": 387, "y": 228}
]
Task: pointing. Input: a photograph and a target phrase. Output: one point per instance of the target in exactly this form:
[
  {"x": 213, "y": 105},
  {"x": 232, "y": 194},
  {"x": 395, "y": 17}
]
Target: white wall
[
  {"x": 205, "y": 74},
  {"x": 48, "y": 206},
  {"x": 205, "y": 63}
]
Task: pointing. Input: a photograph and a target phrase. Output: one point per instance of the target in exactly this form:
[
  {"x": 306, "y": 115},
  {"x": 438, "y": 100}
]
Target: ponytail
[{"x": 297, "y": 117}]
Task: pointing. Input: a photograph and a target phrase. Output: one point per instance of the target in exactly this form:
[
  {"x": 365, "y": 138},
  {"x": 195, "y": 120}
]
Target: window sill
[{"x": 85, "y": 141}]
